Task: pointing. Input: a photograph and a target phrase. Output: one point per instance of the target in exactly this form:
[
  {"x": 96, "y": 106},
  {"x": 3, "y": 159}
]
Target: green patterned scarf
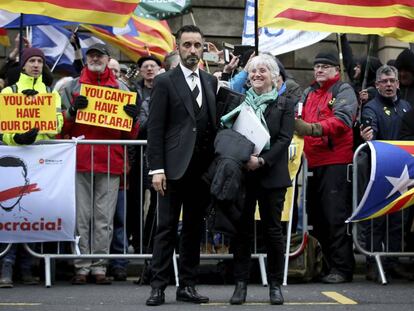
[{"x": 257, "y": 102}]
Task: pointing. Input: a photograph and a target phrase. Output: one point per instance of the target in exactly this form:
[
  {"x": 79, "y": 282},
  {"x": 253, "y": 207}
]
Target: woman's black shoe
[
  {"x": 239, "y": 295},
  {"x": 275, "y": 294}
]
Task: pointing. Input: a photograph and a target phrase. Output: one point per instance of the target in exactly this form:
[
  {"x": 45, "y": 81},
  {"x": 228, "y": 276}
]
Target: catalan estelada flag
[
  {"x": 390, "y": 185},
  {"x": 390, "y": 18},
  {"x": 140, "y": 37},
  {"x": 4, "y": 38},
  {"x": 104, "y": 12}
]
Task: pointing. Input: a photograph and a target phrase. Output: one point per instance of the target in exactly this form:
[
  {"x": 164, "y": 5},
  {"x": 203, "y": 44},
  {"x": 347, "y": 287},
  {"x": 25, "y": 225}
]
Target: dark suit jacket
[
  {"x": 172, "y": 125},
  {"x": 279, "y": 117}
]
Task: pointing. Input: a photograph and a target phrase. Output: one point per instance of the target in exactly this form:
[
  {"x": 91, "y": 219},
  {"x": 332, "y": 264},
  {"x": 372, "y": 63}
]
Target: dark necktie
[{"x": 194, "y": 88}]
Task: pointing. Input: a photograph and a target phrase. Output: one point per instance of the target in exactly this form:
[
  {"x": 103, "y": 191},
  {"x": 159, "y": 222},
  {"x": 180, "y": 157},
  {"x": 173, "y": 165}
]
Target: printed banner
[
  {"x": 162, "y": 9},
  {"x": 276, "y": 40},
  {"x": 37, "y": 199},
  {"x": 106, "y": 107},
  {"x": 20, "y": 113}
]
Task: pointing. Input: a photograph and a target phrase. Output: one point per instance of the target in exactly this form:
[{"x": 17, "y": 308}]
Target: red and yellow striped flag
[
  {"x": 140, "y": 37},
  {"x": 103, "y": 12},
  {"x": 4, "y": 38},
  {"x": 390, "y": 18}
]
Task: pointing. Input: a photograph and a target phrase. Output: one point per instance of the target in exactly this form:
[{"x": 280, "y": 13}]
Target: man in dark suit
[{"x": 181, "y": 130}]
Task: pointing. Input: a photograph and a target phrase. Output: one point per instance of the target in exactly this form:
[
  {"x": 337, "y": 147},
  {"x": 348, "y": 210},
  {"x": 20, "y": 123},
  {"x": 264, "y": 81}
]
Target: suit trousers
[
  {"x": 192, "y": 194},
  {"x": 329, "y": 197},
  {"x": 270, "y": 207},
  {"x": 96, "y": 199}
]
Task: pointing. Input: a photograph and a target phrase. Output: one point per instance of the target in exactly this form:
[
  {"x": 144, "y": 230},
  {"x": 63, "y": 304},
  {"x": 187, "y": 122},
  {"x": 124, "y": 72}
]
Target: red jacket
[
  {"x": 336, "y": 117},
  {"x": 72, "y": 129}
]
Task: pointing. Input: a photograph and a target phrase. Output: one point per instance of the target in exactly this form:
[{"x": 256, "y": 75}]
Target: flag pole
[
  {"x": 21, "y": 37},
  {"x": 370, "y": 47},
  {"x": 341, "y": 56},
  {"x": 192, "y": 18},
  {"x": 63, "y": 50},
  {"x": 256, "y": 27}
]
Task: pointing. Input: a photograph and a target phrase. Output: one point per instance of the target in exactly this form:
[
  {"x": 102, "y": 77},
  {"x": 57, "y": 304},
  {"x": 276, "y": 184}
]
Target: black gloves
[
  {"x": 132, "y": 111},
  {"x": 30, "y": 92},
  {"x": 27, "y": 138},
  {"x": 81, "y": 102}
]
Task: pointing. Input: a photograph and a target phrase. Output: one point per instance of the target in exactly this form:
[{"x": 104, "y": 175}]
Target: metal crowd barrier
[
  {"x": 357, "y": 229},
  {"x": 139, "y": 254}
]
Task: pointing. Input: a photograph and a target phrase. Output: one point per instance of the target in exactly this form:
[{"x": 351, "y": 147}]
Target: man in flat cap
[
  {"x": 329, "y": 109},
  {"x": 99, "y": 167}
]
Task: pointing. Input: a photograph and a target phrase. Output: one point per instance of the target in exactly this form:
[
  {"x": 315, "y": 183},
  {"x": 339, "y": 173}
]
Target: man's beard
[
  {"x": 96, "y": 67},
  {"x": 192, "y": 60}
]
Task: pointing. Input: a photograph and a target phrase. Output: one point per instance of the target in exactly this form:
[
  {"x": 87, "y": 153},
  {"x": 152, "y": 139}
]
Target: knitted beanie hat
[{"x": 30, "y": 52}]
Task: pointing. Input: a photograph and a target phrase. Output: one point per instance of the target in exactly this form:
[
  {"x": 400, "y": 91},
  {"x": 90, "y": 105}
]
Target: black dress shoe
[
  {"x": 239, "y": 295},
  {"x": 275, "y": 294},
  {"x": 156, "y": 298},
  {"x": 189, "y": 294}
]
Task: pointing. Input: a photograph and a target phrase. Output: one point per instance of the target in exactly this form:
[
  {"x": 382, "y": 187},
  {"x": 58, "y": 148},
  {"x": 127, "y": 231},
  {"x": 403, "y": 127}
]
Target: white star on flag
[{"x": 400, "y": 184}]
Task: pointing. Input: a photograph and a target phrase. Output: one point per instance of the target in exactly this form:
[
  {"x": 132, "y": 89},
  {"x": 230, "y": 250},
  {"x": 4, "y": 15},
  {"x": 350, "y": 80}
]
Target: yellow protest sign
[
  {"x": 20, "y": 113},
  {"x": 106, "y": 107},
  {"x": 295, "y": 159}
]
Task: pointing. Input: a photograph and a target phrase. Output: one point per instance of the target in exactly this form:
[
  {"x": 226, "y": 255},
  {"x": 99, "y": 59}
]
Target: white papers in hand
[{"x": 249, "y": 125}]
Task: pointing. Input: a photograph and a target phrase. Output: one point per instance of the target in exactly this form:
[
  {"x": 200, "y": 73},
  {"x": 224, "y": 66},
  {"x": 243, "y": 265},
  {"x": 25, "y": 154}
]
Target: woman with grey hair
[{"x": 267, "y": 178}]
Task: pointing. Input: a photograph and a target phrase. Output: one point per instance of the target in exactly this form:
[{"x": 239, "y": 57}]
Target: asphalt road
[{"x": 358, "y": 295}]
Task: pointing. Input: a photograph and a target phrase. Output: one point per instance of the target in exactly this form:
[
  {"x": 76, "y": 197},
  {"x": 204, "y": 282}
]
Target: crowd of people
[{"x": 187, "y": 135}]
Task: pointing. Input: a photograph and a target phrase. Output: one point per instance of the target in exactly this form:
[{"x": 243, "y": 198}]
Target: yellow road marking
[
  {"x": 13, "y": 304},
  {"x": 267, "y": 303},
  {"x": 340, "y": 298}
]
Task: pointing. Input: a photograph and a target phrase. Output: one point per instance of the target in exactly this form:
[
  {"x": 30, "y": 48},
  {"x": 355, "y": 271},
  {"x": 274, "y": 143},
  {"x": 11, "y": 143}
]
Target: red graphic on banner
[{"x": 16, "y": 192}]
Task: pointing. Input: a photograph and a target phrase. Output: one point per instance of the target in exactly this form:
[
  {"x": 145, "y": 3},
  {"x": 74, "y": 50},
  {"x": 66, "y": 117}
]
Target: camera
[
  {"x": 366, "y": 122},
  {"x": 227, "y": 50}
]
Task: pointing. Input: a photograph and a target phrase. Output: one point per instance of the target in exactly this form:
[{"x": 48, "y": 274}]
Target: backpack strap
[{"x": 335, "y": 88}]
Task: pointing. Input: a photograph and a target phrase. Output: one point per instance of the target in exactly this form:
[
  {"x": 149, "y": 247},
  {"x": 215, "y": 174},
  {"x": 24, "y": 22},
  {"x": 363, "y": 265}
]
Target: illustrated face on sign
[{"x": 15, "y": 186}]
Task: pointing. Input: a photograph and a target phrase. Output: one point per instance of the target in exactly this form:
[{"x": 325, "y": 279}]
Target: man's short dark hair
[{"x": 188, "y": 28}]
